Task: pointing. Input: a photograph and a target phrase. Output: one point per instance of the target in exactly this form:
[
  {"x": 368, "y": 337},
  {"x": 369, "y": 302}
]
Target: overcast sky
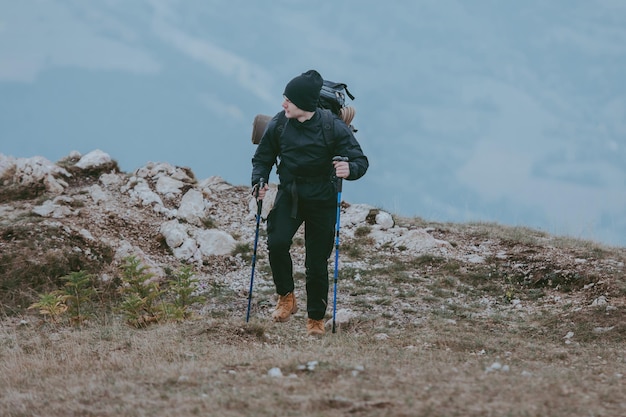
[{"x": 511, "y": 112}]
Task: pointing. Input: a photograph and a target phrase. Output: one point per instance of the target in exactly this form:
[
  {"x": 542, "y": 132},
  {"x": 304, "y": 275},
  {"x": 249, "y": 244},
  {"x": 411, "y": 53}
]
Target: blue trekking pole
[
  {"x": 259, "y": 204},
  {"x": 337, "y": 225}
]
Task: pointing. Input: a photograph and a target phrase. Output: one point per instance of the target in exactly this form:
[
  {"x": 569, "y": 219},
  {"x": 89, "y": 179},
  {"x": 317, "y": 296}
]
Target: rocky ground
[
  {"x": 82, "y": 213},
  {"x": 434, "y": 318}
]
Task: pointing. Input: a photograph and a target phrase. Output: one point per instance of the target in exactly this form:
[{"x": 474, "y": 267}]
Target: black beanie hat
[{"x": 304, "y": 90}]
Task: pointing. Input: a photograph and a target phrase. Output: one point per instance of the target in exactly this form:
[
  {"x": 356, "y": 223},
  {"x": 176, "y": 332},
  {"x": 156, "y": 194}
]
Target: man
[{"x": 305, "y": 139}]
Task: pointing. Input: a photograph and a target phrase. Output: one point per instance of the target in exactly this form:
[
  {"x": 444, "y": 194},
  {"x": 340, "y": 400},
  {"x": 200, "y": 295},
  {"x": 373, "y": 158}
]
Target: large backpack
[{"x": 332, "y": 97}]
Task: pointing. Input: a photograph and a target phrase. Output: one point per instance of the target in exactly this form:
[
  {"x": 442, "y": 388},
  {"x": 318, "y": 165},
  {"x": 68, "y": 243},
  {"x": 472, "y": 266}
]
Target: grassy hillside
[{"x": 505, "y": 321}]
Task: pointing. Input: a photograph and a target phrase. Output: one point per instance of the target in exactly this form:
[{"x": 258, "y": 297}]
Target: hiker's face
[{"x": 291, "y": 110}]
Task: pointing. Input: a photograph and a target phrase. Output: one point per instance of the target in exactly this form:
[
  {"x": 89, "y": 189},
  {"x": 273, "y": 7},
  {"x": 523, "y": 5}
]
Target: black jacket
[{"x": 306, "y": 153}]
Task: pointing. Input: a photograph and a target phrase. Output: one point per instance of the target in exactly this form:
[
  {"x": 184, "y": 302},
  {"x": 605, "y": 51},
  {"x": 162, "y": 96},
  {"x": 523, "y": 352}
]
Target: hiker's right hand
[{"x": 262, "y": 191}]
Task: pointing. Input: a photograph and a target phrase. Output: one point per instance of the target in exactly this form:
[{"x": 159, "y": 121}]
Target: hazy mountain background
[{"x": 505, "y": 111}]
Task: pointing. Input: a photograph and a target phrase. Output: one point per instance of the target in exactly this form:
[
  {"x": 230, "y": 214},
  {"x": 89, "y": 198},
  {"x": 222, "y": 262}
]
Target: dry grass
[
  {"x": 435, "y": 365},
  {"x": 434, "y": 335}
]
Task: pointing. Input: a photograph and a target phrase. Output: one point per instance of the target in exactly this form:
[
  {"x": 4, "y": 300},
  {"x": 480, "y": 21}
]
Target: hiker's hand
[
  {"x": 342, "y": 169},
  {"x": 262, "y": 191}
]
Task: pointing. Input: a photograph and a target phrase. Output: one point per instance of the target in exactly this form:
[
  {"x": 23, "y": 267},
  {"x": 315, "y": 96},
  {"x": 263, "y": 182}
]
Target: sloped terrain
[
  {"x": 402, "y": 283},
  {"x": 100, "y": 217}
]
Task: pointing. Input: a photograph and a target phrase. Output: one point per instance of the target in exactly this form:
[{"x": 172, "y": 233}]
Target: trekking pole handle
[
  {"x": 258, "y": 187},
  {"x": 341, "y": 159}
]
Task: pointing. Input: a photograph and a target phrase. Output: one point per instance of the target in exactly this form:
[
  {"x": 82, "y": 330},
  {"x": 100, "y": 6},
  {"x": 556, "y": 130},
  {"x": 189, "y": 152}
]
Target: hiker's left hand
[{"x": 342, "y": 169}]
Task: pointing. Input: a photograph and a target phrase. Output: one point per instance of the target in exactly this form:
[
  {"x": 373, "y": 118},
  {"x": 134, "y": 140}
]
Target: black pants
[{"x": 319, "y": 230}]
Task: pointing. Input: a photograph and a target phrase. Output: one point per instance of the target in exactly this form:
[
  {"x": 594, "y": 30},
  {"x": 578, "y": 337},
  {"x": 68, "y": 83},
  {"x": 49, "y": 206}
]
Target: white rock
[
  {"x": 418, "y": 240},
  {"x": 169, "y": 187},
  {"x": 192, "y": 207},
  {"x": 384, "y": 220},
  {"x": 214, "y": 183},
  {"x": 474, "y": 259},
  {"x": 54, "y": 185},
  {"x": 94, "y": 159},
  {"x": 97, "y": 193},
  {"x": 188, "y": 251},
  {"x": 275, "y": 373},
  {"x": 86, "y": 234},
  {"x": 142, "y": 192},
  {"x": 214, "y": 242},
  {"x": 342, "y": 316},
  {"x": 600, "y": 301},
  {"x": 496, "y": 366},
  {"x": 110, "y": 179},
  {"x": 174, "y": 233},
  {"x": 356, "y": 214},
  {"x": 163, "y": 169},
  {"x": 603, "y": 329},
  {"x": 50, "y": 209},
  {"x": 36, "y": 170}
]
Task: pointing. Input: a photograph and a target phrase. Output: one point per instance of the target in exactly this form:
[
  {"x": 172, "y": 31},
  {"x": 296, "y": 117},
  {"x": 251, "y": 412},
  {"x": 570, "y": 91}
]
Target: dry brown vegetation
[{"x": 536, "y": 329}]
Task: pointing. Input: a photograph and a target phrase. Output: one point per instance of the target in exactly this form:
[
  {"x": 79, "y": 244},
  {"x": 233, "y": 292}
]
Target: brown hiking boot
[
  {"x": 286, "y": 307},
  {"x": 315, "y": 327}
]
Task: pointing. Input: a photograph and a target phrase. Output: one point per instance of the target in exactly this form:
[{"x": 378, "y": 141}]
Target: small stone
[
  {"x": 600, "y": 301},
  {"x": 598, "y": 330},
  {"x": 496, "y": 366}
]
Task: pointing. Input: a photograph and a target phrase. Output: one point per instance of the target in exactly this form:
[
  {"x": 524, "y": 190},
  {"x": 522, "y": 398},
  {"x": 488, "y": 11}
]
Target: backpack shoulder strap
[
  {"x": 280, "y": 124},
  {"x": 327, "y": 128}
]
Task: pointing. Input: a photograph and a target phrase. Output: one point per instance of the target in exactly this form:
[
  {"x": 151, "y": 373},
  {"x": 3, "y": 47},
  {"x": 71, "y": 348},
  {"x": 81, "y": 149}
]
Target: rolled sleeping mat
[
  {"x": 258, "y": 127},
  {"x": 347, "y": 114},
  {"x": 261, "y": 120}
]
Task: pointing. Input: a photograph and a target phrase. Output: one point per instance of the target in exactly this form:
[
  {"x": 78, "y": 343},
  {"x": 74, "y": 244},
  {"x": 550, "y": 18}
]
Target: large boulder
[
  {"x": 94, "y": 160},
  {"x": 193, "y": 207},
  {"x": 214, "y": 242}
]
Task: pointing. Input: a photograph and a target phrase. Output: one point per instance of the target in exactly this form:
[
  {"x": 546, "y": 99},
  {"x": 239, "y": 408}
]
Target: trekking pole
[
  {"x": 259, "y": 206},
  {"x": 337, "y": 225}
]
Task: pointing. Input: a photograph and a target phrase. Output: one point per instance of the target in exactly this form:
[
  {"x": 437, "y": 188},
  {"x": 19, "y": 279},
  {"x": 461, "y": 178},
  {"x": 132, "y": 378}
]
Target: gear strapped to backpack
[{"x": 332, "y": 98}]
